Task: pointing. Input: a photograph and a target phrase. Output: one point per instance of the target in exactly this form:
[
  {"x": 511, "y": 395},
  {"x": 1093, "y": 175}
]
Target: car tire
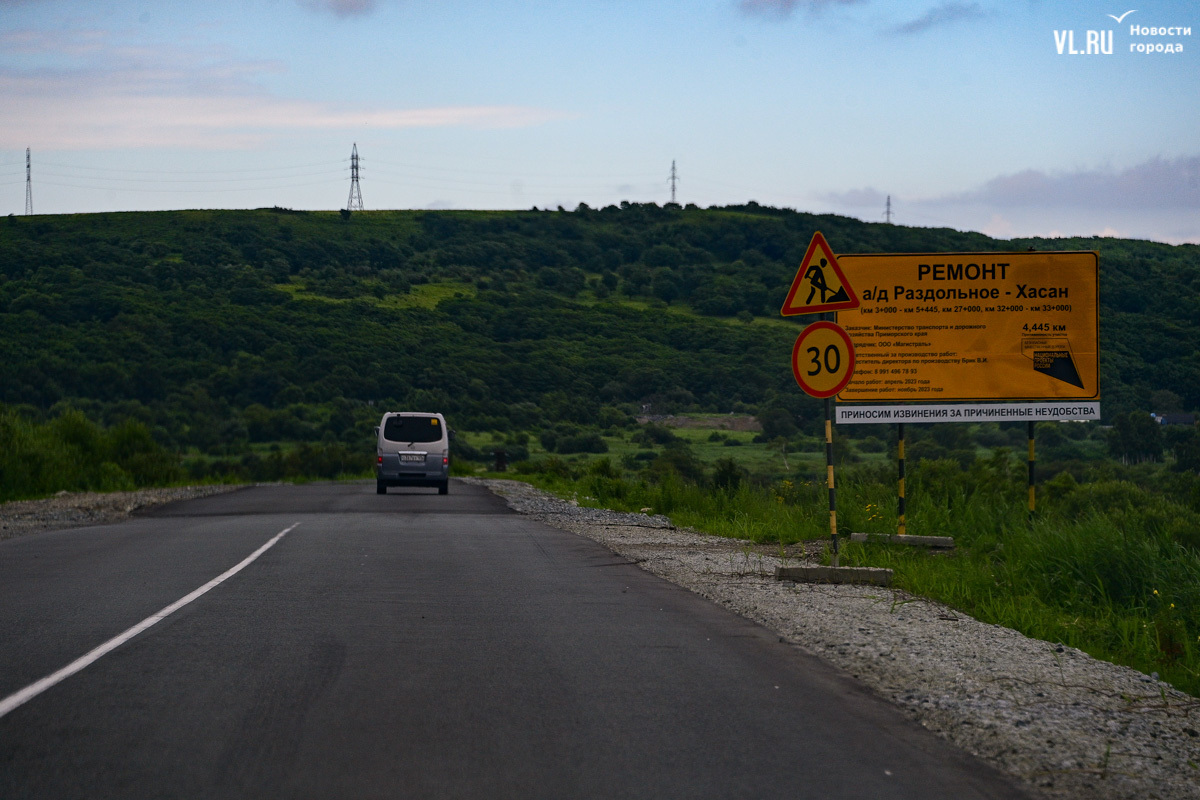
[
  {"x": 444, "y": 487},
  {"x": 380, "y": 487}
]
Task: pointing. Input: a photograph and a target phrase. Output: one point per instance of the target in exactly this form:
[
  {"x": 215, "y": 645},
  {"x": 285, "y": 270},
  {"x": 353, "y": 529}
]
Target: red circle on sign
[{"x": 827, "y": 349}]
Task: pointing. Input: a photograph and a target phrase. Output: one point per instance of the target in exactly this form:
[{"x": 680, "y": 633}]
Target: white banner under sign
[{"x": 981, "y": 412}]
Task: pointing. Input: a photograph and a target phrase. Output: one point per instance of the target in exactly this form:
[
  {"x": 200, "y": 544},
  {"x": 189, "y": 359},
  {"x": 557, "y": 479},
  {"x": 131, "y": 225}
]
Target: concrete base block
[
  {"x": 870, "y": 575},
  {"x": 938, "y": 542}
]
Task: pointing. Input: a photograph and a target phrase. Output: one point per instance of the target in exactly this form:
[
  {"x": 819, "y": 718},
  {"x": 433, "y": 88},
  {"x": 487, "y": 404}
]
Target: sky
[{"x": 968, "y": 114}]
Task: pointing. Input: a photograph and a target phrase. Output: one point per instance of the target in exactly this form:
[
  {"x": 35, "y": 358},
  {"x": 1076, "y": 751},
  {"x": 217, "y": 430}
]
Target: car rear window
[{"x": 412, "y": 429}]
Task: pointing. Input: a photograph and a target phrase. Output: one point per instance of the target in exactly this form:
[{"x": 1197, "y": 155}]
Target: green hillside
[{"x": 227, "y": 326}]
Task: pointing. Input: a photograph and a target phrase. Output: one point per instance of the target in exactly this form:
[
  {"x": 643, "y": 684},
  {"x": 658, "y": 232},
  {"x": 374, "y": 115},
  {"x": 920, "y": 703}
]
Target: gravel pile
[
  {"x": 1064, "y": 723},
  {"x": 75, "y": 509}
]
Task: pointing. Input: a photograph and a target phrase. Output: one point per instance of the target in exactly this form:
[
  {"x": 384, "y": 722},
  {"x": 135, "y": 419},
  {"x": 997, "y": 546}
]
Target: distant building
[{"x": 1174, "y": 419}]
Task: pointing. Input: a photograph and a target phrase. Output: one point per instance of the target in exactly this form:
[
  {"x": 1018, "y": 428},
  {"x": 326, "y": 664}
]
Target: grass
[
  {"x": 1122, "y": 595},
  {"x": 422, "y": 295},
  {"x": 428, "y": 295}
]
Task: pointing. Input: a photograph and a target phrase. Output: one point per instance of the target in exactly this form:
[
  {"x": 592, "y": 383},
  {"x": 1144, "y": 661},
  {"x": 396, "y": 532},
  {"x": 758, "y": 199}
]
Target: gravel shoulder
[
  {"x": 77, "y": 509},
  {"x": 1060, "y": 721}
]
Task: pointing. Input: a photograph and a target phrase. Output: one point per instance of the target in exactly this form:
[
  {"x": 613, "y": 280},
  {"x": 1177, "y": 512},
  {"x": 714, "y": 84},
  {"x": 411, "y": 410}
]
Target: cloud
[
  {"x": 108, "y": 121},
  {"x": 35, "y": 42},
  {"x": 999, "y": 228},
  {"x": 781, "y": 9},
  {"x": 944, "y": 14},
  {"x": 221, "y": 122},
  {"x": 141, "y": 97},
  {"x": 857, "y": 198},
  {"x": 1157, "y": 199},
  {"x": 1159, "y": 183},
  {"x": 342, "y": 8}
]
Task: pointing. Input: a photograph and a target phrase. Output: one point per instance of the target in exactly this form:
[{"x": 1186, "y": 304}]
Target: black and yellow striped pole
[
  {"x": 829, "y": 477},
  {"x": 823, "y": 363},
  {"x": 1032, "y": 461},
  {"x": 900, "y": 528}
]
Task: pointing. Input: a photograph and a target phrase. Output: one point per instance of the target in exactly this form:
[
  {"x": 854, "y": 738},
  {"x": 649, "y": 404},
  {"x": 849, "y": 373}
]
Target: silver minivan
[{"x": 412, "y": 449}]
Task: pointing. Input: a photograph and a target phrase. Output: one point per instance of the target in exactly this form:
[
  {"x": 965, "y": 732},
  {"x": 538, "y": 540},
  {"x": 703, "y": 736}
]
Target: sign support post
[
  {"x": 833, "y": 533},
  {"x": 1032, "y": 467},
  {"x": 901, "y": 529}
]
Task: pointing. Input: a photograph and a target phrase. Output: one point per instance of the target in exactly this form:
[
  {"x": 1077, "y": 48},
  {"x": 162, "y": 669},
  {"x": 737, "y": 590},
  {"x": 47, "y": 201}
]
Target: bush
[
  {"x": 727, "y": 475},
  {"x": 581, "y": 443},
  {"x": 72, "y": 453},
  {"x": 678, "y": 460},
  {"x": 653, "y": 434}
]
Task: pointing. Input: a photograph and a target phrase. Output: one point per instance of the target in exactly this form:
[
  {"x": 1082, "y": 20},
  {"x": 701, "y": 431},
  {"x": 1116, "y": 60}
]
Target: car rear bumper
[
  {"x": 433, "y": 470},
  {"x": 411, "y": 479}
]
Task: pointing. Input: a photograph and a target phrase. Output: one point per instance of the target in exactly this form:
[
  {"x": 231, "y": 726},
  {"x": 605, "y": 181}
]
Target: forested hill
[{"x": 223, "y": 326}]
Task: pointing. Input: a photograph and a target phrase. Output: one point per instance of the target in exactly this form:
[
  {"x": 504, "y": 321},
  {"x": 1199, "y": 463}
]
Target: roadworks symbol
[{"x": 819, "y": 285}]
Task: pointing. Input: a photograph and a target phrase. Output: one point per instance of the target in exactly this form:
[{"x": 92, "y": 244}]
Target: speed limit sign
[{"x": 823, "y": 359}]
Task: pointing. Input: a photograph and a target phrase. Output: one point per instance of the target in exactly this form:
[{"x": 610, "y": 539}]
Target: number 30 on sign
[{"x": 823, "y": 359}]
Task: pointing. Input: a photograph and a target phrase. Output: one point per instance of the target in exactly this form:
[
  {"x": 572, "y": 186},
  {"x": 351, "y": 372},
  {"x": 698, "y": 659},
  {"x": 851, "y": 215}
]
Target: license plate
[{"x": 417, "y": 458}]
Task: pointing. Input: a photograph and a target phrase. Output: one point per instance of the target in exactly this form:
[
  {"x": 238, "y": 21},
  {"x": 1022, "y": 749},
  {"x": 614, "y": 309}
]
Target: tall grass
[
  {"x": 72, "y": 453},
  {"x": 1110, "y": 567}
]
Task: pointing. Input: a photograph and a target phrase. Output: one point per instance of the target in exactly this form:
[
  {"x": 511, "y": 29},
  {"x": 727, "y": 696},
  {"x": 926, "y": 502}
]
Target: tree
[
  {"x": 1136, "y": 437},
  {"x": 1186, "y": 447},
  {"x": 727, "y": 475},
  {"x": 776, "y": 422}
]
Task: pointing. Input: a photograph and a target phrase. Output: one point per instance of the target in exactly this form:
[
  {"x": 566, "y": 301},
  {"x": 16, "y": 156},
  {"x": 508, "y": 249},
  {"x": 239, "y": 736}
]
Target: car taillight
[
  {"x": 380, "y": 461},
  {"x": 445, "y": 460}
]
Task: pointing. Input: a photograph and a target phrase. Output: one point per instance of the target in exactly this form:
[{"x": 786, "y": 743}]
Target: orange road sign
[
  {"x": 823, "y": 359},
  {"x": 974, "y": 326},
  {"x": 819, "y": 285}
]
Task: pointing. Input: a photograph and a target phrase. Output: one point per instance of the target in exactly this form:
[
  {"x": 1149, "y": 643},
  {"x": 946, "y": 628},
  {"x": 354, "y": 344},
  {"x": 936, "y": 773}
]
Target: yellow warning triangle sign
[{"x": 819, "y": 285}]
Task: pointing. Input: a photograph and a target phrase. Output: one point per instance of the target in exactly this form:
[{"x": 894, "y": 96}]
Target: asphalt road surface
[{"x": 413, "y": 645}]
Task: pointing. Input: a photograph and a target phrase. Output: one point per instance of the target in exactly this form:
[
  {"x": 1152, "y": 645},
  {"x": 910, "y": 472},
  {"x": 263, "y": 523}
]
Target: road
[{"x": 414, "y": 645}]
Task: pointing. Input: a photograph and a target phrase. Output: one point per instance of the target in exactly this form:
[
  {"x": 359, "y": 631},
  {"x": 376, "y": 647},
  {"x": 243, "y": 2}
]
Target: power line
[
  {"x": 220, "y": 190},
  {"x": 355, "y": 202},
  {"x": 376, "y": 163},
  {"x": 409, "y": 175},
  {"x": 437, "y": 181},
  {"x": 28, "y": 184},
  {"x": 124, "y": 171},
  {"x": 191, "y": 180}
]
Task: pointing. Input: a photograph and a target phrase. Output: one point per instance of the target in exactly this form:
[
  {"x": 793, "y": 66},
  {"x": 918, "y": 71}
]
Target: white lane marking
[{"x": 31, "y": 691}]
